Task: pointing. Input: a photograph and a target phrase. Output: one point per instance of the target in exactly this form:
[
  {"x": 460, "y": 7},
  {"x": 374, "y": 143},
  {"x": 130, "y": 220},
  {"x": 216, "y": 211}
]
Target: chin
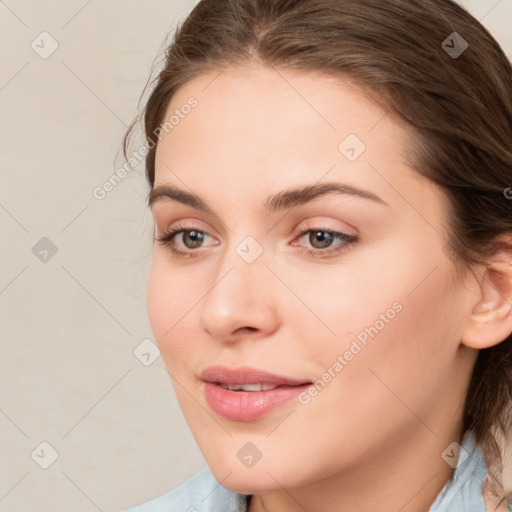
[
  {"x": 247, "y": 481},
  {"x": 263, "y": 476}
]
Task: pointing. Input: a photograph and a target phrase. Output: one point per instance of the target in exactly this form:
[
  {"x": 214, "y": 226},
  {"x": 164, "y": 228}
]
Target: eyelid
[
  {"x": 185, "y": 224},
  {"x": 319, "y": 223},
  {"x": 166, "y": 213}
]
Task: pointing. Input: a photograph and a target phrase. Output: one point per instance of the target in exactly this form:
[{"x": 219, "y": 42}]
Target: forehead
[
  {"x": 265, "y": 113},
  {"x": 257, "y": 130},
  {"x": 266, "y": 100}
]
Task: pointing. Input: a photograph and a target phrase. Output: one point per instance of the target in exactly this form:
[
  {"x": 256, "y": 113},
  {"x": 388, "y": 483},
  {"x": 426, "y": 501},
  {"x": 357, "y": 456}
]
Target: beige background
[{"x": 71, "y": 322}]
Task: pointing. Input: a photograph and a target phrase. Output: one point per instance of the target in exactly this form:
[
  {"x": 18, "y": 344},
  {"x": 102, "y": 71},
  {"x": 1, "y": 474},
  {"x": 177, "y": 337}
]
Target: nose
[{"x": 240, "y": 301}]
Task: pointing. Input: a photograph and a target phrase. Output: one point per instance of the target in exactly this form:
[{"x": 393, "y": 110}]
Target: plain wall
[{"x": 72, "y": 320}]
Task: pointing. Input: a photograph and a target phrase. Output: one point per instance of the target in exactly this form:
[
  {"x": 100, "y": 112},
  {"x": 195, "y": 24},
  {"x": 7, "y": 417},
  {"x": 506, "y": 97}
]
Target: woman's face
[{"x": 310, "y": 250}]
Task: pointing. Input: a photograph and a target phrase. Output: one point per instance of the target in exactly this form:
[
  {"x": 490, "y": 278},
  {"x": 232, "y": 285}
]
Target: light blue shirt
[{"x": 202, "y": 493}]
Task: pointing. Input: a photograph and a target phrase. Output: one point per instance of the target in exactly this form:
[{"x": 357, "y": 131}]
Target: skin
[{"x": 372, "y": 439}]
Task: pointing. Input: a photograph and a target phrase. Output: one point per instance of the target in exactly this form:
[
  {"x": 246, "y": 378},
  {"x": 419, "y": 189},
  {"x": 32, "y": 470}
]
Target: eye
[
  {"x": 324, "y": 242},
  {"x": 321, "y": 239},
  {"x": 184, "y": 241},
  {"x": 192, "y": 239}
]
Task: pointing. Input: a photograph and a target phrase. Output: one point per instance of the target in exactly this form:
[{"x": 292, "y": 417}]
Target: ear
[{"x": 490, "y": 322}]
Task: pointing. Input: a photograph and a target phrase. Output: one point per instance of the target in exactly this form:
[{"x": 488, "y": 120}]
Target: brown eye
[
  {"x": 184, "y": 242},
  {"x": 324, "y": 243},
  {"x": 321, "y": 239},
  {"x": 192, "y": 239}
]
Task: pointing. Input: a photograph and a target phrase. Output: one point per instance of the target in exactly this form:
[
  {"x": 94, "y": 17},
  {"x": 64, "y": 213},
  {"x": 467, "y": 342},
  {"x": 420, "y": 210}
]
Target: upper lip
[{"x": 246, "y": 375}]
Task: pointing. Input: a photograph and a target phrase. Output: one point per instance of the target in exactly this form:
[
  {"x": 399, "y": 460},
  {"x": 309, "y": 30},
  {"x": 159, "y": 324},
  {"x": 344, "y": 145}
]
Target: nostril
[{"x": 247, "y": 329}]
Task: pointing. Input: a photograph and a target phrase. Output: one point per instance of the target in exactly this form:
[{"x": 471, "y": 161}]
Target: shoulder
[{"x": 201, "y": 492}]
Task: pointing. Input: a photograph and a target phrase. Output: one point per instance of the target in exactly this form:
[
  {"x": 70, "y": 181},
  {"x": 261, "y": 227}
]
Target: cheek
[
  {"x": 333, "y": 305},
  {"x": 408, "y": 360},
  {"x": 396, "y": 321},
  {"x": 171, "y": 301},
  {"x": 160, "y": 306}
]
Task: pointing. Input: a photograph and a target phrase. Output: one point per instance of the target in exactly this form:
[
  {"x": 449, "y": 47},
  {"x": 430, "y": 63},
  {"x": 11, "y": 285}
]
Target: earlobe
[{"x": 490, "y": 321}]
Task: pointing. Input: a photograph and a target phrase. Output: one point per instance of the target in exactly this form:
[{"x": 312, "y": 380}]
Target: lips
[
  {"x": 246, "y": 375},
  {"x": 246, "y": 393}
]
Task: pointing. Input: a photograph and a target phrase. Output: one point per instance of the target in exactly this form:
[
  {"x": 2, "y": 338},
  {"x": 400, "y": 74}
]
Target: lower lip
[{"x": 248, "y": 405}]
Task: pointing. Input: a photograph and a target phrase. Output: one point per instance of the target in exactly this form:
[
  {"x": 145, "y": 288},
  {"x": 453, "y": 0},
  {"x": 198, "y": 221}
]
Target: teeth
[{"x": 247, "y": 387}]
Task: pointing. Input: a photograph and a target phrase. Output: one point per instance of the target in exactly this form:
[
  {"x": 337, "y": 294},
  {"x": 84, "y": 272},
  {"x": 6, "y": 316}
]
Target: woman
[{"x": 331, "y": 286}]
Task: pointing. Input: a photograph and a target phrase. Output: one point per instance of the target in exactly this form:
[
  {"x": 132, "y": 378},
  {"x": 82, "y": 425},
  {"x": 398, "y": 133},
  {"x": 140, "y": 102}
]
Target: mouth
[
  {"x": 247, "y": 376},
  {"x": 249, "y": 387},
  {"x": 246, "y": 393}
]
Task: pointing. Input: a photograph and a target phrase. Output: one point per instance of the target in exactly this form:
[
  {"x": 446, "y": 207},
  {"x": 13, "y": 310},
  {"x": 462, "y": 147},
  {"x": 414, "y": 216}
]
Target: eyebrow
[{"x": 280, "y": 201}]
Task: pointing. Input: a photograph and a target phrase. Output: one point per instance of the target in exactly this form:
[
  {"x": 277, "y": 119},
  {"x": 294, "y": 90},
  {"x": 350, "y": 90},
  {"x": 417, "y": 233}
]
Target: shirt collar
[{"x": 463, "y": 492}]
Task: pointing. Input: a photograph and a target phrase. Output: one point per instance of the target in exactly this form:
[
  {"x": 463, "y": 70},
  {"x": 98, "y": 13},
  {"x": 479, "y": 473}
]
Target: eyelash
[{"x": 167, "y": 238}]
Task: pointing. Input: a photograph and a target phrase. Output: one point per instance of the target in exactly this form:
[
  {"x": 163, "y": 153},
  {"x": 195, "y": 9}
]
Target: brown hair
[{"x": 459, "y": 108}]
